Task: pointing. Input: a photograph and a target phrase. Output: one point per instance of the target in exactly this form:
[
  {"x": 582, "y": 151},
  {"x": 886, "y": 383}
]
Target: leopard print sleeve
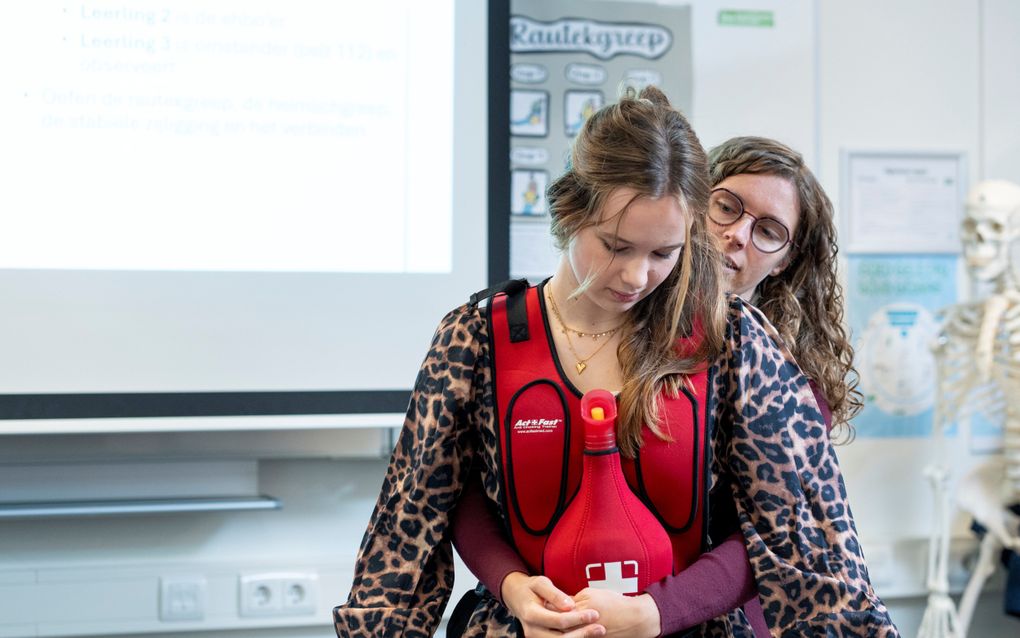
[
  {"x": 771, "y": 447},
  {"x": 404, "y": 571}
]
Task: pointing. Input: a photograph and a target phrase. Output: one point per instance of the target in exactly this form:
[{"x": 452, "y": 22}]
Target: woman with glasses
[{"x": 775, "y": 229}]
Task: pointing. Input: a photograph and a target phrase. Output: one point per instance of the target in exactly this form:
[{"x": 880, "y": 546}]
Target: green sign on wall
[{"x": 738, "y": 18}]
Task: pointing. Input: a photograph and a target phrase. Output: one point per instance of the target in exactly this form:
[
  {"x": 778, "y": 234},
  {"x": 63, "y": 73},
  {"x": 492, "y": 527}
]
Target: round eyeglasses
[{"x": 768, "y": 235}]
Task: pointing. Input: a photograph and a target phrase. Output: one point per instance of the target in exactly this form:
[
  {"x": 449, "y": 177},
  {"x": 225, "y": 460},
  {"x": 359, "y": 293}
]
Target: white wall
[
  {"x": 910, "y": 74},
  {"x": 756, "y": 81},
  {"x": 1000, "y": 90}
]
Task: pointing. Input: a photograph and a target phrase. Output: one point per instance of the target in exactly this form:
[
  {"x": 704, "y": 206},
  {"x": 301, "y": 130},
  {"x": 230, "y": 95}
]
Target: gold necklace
[
  {"x": 594, "y": 336},
  {"x": 582, "y": 363}
]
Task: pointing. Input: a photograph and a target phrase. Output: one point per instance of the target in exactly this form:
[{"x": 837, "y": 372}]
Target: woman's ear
[{"x": 781, "y": 266}]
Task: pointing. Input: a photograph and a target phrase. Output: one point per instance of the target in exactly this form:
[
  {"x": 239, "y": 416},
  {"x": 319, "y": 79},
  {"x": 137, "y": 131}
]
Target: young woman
[
  {"x": 774, "y": 225},
  {"x": 633, "y": 307}
]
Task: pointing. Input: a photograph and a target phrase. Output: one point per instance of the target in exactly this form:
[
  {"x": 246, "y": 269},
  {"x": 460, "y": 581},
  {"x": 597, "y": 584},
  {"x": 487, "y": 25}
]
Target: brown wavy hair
[
  {"x": 805, "y": 301},
  {"x": 643, "y": 143}
]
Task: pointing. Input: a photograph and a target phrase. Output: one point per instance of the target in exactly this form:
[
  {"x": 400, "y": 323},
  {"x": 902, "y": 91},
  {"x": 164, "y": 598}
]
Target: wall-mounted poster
[
  {"x": 891, "y": 306},
  {"x": 902, "y": 201},
  {"x": 578, "y": 106},
  {"x": 527, "y": 192},
  {"x": 567, "y": 59},
  {"x": 529, "y": 113}
]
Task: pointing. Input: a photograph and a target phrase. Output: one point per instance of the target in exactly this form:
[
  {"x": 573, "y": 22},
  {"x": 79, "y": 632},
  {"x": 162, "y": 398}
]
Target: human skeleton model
[{"x": 978, "y": 355}]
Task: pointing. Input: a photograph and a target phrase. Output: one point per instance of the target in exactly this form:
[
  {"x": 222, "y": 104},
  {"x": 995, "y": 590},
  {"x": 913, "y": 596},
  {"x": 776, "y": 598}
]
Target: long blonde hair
[
  {"x": 645, "y": 144},
  {"x": 805, "y": 301}
]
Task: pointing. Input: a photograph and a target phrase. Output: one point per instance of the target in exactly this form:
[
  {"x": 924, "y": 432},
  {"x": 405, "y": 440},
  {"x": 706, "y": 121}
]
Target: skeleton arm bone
[{"x": 995, "y": 308}]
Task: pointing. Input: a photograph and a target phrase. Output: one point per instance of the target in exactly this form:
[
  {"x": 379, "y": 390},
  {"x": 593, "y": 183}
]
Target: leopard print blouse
[{"x": 774, "y": 473}]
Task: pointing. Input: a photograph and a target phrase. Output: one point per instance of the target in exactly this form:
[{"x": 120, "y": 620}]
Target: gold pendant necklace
[
  {"x": 594, "y": 336},
  {"x": 582, "y": 363}
]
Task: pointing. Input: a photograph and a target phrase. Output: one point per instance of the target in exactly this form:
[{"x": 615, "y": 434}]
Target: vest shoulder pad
[{"x": 510, "y": 287}]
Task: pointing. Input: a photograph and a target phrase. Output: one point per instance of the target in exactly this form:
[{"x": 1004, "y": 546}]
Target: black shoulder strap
[
  {"x": 516, "y": 305},
  {"x": 510, "y": 286}
]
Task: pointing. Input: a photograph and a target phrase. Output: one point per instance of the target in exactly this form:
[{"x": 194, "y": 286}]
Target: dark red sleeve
[
  {"x": 480, "y": 539},
  {"x": 717, "y": 583},
  {"x": 823, "y": 405}
]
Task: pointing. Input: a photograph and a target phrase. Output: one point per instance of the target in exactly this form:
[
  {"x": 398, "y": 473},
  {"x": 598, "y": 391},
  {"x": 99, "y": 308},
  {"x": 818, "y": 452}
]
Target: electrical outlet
[
  {"x": 278, "y": 594},
  {"x": 300, "y": 593},
  {"x": 182, "y": 598},
  {"x": 260, "y": 595}
]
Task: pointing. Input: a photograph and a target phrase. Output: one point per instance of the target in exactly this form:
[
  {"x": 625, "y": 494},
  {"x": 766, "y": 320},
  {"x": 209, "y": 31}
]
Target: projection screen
[{"x": 242, "y": 208}]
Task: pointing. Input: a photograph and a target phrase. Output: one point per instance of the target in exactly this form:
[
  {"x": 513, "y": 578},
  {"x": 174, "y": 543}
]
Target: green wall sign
[{"x": 738, "y": 18}]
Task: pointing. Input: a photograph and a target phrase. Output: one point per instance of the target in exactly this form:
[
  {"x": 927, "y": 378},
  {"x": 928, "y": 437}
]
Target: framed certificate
[{"x": 902, "y": 201}]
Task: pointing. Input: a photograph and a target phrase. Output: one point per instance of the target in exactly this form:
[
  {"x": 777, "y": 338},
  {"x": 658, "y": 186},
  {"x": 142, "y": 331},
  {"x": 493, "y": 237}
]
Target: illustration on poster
[{"x": 897, "y": 367}]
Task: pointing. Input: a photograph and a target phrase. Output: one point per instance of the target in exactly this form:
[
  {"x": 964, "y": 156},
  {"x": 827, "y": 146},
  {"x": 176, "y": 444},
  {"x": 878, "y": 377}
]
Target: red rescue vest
[{"x": 541, "y": 439}]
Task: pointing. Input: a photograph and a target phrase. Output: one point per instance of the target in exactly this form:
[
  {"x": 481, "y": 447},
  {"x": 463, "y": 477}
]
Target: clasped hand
[{"x": 544, "y": 610}]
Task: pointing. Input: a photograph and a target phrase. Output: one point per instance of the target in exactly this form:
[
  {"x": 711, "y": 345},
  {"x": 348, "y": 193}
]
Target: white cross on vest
[{"x": 613, "y": 578}]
